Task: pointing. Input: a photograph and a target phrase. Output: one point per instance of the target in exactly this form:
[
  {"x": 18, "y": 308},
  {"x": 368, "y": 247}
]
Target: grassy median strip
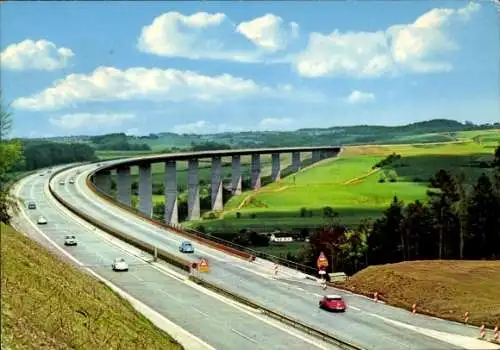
[
  {"x": 47, "y": 303},
  {"x": 443, "y": 288}
]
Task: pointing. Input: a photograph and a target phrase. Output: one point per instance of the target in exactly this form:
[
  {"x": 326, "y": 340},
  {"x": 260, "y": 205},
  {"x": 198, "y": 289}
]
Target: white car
[
  {"x": 70, "y": 240},
  {"x": 119, "y": 264},
  {"x": 42, "y": 220},
  {"x": 61, "y": 182},
  {"x": 71, "y": 181}
]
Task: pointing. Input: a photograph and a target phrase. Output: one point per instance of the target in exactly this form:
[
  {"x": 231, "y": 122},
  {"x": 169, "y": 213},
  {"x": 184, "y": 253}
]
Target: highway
[
  {"x": 211, "y": 321},
  {"x": 366, "y": 323}
]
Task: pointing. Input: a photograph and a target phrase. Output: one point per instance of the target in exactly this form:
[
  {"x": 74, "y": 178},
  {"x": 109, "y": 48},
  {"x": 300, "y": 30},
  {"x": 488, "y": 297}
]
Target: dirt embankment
[{"x": 442, "y": 288}]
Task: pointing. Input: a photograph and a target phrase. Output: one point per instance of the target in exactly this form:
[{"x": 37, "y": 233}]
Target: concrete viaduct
[{"x": 102, "y": 177}]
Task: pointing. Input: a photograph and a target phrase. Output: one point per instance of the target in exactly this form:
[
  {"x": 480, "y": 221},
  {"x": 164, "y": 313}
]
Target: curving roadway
[
  {"x": 366, "y": 323},
  {"x": 206, "y": 320}
]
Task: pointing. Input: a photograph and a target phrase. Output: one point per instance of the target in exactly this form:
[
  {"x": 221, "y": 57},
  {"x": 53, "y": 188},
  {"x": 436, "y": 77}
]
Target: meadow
[{"x": 351, "y": 187}]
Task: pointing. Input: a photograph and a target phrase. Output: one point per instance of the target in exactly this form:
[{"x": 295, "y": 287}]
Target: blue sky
[{"x": 140, "y": 67}]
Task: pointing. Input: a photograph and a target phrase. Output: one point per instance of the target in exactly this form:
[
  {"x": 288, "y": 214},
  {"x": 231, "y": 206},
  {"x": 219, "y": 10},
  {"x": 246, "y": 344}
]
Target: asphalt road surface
[
  {"x": 366, "y": 323},
  {"x": 218, "y": 322}
]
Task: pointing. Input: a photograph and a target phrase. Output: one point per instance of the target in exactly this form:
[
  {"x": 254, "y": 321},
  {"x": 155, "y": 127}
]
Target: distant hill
[{"x": 435, "y": 130}]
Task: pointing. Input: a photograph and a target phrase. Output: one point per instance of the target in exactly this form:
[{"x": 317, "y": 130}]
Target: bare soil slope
[
  {"x": 443, "y": 288},
  {"x": 48, "y": 304}
]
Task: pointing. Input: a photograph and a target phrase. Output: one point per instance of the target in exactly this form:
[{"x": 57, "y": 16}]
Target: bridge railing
[{"x": 276, "y": 259}]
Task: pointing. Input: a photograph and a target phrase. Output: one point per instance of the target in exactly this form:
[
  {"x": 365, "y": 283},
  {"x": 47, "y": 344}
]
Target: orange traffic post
[
  {"x": 203, "y": 266},
  {"x": 414, "y": 308},
  {"x": 466, "y": 317},
  {"x": 375, "y": 296},
  {"x": 482, "y": 333},
  {"x": 496, "y": 334}
]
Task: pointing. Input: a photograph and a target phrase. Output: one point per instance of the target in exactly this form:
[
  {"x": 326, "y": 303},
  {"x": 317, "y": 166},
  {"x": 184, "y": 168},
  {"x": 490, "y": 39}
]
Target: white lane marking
[
  {"x": 243, "y": 335},
  {"x": 454, "y": 339},
  {"x": 159, "y": 320},
  {"x": 241, "y": 307},
  {"x": 199, "y": 311},
  {"x": 354, "y": 308}
]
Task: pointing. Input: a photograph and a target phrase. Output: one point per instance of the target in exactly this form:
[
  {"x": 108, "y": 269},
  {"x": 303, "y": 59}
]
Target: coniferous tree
[{"x": 483, "y": 220}]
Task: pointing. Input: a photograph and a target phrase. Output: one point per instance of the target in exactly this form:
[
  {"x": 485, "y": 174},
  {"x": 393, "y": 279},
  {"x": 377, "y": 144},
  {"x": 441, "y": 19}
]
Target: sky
[{"x": 73, "y": 68}]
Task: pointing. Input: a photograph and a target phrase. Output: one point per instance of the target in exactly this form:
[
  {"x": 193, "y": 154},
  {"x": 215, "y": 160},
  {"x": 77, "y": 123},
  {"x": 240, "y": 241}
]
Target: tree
[
  {"x": 496, "y": 159},
  {"x": 387, "y": 240},
  {"x": 327, "y": 240},
  {"x": 483, "y": 220},
  {"x": 443, "y": 195},
  {"x": 10, "y": 155},
  {"x": 419, "y": 231}
]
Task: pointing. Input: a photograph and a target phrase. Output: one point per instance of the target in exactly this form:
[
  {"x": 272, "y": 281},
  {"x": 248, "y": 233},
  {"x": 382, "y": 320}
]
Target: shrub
[{"x": 303, "y": 212}]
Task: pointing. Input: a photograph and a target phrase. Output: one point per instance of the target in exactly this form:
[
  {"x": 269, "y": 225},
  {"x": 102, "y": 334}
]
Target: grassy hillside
[
  {"x": 352, "y": 187},
  {"x": 443, "y": 288},
  {"x": 48, "y": 304}
]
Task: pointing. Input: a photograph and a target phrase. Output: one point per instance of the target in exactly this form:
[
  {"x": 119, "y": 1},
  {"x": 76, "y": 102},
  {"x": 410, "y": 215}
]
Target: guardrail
[
  {"x": 186, "y": 265},
  {"x": 160, "y": 253},
  {"x": 328, "y": 337},
  {"x": 216, "y": 242}
]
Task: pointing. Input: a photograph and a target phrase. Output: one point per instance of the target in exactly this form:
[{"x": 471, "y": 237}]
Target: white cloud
[
  {"x": 111, "y": 84},
  {"x": 400, "y": 48},
  {"x": 39, "y": 55},
  {"x": 360, "y": 97},
  {"x": 213, "y": 36},
  {"x": 268, "y": 124},
  {"x": 269, "y": 32},
  {"x": 203, "y": 127},
  {"x": 89, "y": 120}
]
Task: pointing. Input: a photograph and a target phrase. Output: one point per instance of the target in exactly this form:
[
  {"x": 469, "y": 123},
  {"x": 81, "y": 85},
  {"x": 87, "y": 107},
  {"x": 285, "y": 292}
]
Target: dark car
[{"x": 332, "y": 303}]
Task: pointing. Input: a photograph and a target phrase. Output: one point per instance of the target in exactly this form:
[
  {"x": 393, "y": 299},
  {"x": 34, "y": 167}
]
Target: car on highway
[
  {"x": 61, "y": 182},
  {"x": 41, "y": 174},
  {"x": 332, "y": 303},
  {"x": 186, "y": 247},
  {"x": 41, "y": 220},
  {"x": 70, "y": 241},
  {"x": 31, "y": 205},
  {"x": 77, "y": 172},
  {"x": 71, "y": 181},
  {"x": 119, "y": 264}
]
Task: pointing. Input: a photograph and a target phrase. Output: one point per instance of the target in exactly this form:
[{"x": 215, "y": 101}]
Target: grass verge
[
  {"x": 443, "y": 288},
  {"x": 49, "y": 304}
]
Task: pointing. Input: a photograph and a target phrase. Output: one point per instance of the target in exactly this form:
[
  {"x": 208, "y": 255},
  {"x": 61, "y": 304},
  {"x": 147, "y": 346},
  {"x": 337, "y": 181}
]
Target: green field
[
  {"x": 347, "y": 184},
  {"x": 350, "y": 186}
]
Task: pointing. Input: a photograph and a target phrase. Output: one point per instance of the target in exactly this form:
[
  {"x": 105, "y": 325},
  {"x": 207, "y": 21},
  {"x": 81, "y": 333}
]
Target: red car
[{"x": 332, "y": 303}]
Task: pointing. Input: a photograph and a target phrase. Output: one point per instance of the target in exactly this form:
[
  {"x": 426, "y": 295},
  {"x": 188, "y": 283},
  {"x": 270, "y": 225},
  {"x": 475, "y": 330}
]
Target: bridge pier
[
  {"x": 145, "y": 190},
  {"x": 236, "y": 175},
  {"x": 316, "y": 156},
  {"x": 275, "y": 167},
  {"x": 170, "y": 192},
  {"x": 295, "y": 161},
  {"x": 124, "y": 185},
  {"x": 255, "y": 171},
  {"x": 193, "y": 190},
  {"x": 217, "y": 203},
  {"x": 103, "y": 181}
]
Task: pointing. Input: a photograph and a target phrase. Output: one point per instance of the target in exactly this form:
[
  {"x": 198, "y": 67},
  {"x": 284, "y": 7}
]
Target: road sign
[
  {"x": 322, "y": 261},
  {"x": 203, "y": 266}
]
